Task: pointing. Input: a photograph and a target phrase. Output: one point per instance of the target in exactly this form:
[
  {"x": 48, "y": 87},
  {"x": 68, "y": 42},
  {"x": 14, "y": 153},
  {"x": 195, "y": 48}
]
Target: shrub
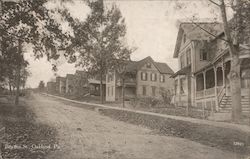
[
  {"x": 146, "y": 102},
  {"x": 166, "y": 96}
]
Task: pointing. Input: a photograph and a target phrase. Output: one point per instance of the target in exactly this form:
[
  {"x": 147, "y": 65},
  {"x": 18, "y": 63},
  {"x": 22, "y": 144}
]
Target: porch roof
[{"x": 183, "y": 71}]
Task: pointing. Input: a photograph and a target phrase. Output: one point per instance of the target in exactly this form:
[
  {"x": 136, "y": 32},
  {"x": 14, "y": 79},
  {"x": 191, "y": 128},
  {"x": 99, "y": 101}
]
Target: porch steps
[{"x": 226, "y": 104}]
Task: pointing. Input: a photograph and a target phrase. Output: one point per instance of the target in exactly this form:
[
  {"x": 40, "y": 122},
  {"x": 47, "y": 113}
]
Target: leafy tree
[
  {"x": 99, "y": 42},
  {"x": 30, "y": 22}
]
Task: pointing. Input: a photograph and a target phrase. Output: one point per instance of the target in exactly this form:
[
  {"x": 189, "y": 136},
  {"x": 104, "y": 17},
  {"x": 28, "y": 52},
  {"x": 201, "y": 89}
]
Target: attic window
[
  {"x": 203, "y": 55},
  {"x": 148, "y": 65},
  {"x": 184, "y": 38}
]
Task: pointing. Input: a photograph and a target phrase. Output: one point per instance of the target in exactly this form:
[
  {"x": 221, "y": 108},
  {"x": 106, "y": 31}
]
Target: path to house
[{"x": 84, "y": 133}]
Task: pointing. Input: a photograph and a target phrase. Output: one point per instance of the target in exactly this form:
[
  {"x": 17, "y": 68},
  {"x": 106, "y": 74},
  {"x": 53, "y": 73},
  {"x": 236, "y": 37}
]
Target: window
[
  {"x": 153, "y": 77},
  {"x": 219, "y": 73},
  {"x": 200, "y": 82},
  {"x": 144, "y": 76},
  {"x": 184, "y": 38},
  {"x": 203, "y": 55},
  {"x": 144, "y": 90},
  {"x": 153, "y": 90},
  {"x": 210, "y": 79},
  {"x": 148, "y": 65},
  {"x": 162, "y": 78},
  {"x": 188, "y": 56},
  {"x": 112, "y": 91},
  {"x": 244, "y": 83},
  {"x": 182, "y": 61},
  {"x": 182, "y": 80},
  {"x": 110, "y": 77}
]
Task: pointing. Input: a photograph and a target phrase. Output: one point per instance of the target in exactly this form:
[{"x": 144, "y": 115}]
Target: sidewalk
[{"x": 243, "y": 128}]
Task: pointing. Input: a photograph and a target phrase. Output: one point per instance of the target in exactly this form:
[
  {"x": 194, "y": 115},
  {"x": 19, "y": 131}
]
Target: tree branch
[
  {"x": 214, "y": 2},
  {"x": 208, "y": 31}
]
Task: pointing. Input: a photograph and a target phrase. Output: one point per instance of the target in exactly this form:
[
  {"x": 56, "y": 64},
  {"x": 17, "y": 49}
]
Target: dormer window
[{"x": 148, "y": 65}]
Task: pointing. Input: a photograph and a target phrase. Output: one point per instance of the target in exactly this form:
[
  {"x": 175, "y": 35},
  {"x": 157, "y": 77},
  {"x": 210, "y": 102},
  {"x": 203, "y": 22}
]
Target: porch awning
[{"x": 183, "y": 71}]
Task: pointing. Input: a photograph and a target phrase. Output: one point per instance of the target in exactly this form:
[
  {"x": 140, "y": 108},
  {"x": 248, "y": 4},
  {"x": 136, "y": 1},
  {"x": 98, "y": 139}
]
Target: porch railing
[
  {"x": 210, "y": 91},
  {"x": 205, "y": 93},
  {"x": 199, "y": 94}
]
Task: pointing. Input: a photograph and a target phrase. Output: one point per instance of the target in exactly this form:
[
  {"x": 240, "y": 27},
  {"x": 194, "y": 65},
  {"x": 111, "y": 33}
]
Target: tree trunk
[
  {"x": 17, "y": 85},
  {"x": 235, "y": 84},
  {"x": 101, "y": 89},
  {"x": 123, "y": 92},
  {"x": 18, "y": 72},
  {"x": 10, "y": 88},
  {"x": 233, "y": 43}
]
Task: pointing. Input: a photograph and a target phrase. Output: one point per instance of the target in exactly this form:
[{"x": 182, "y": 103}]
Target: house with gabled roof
[
  {"x": 144, "y": 78},
  {"x": 204, "y": 65}
]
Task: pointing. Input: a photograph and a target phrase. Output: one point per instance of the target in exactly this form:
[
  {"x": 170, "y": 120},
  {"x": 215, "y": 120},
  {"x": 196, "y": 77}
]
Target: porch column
[
  {"x": 216, "y": 91},
  {"x": 204, "y": 91},
  {"x": 223, "y": 75},
  {"x": 179, "y": 91},
  {"x": 204, "y": 80}
]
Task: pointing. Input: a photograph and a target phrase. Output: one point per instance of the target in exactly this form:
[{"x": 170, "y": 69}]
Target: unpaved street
[{"x": 84, "y": 133}]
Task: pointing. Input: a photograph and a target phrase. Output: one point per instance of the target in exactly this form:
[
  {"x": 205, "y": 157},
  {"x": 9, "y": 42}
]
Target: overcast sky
[{"x": 151, "y": 27}]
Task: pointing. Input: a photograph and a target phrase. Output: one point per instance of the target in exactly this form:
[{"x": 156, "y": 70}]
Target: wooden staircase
[{"x": 225, "y": 105}]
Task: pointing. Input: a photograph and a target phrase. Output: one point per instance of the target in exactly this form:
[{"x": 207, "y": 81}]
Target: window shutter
[
  {"x": 141, "y": 75},
  {"x": 151, "y": 76},
  {"x": 146, "y": 76}
]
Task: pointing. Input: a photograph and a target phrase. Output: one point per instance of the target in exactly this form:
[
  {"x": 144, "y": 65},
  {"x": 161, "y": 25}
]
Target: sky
[{"x": 152, "y": 27}]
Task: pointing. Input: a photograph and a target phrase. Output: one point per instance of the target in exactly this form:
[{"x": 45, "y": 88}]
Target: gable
[
  {"x": 196, "y": 31},
  {"x": 149, "y": 66}
]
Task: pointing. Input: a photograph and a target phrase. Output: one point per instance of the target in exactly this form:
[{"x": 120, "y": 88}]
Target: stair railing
[{"x": 221, "y": 94}]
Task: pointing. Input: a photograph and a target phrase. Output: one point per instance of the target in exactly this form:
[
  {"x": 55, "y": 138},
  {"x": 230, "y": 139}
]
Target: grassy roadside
[
  {"x": 24, "y": 138},
  {"x": 221, "y": 138}
]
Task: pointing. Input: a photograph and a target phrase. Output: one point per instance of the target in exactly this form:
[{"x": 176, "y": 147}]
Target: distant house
[
  {"x": 58, "y": 84},
  {"x": 204, "y": 66},
  {"x": 51, "y": 87},
  {"x": 70, "y": 84},
  {"x": 62, "y": 85},
  {"x": 94, "y": 84},
  {"x": 81, "y": 83},
  {"x": 144, "y": 78}
]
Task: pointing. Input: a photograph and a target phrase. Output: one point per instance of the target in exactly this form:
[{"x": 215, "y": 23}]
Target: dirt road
[{"x": 84, "y": 134}]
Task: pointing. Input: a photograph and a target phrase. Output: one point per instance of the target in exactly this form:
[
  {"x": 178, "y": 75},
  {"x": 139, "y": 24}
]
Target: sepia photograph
[{"x": 124, "y": 79}]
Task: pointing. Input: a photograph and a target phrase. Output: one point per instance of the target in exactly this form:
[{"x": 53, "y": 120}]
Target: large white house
[{"x": 204, "y": 65}]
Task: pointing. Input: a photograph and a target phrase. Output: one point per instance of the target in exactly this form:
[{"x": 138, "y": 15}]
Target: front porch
[{"x": 213, "y": 84}]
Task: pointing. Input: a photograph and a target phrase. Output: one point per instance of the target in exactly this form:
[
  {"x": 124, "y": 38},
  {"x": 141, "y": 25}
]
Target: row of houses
[
  {"x": 78, "y": 85},
  {"x": 201, "y": 81},
  {"x": 142, "y": 78}
]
